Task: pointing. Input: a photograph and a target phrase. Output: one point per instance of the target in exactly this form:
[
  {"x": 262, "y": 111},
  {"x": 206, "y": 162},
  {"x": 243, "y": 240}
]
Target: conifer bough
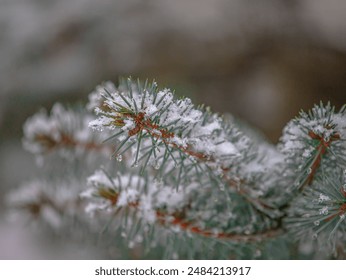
[{"x": 177, "y": 181}]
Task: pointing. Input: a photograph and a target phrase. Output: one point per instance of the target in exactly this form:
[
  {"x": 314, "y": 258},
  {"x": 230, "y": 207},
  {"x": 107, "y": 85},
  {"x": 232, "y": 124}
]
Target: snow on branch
[
  {"x": 313, "y": 139},
  {"x": 185, "y": 175},
  {"x": 153, "y": 121},
  {"x": 320, "y": 211},
  {"x": 63, "y": 129}
]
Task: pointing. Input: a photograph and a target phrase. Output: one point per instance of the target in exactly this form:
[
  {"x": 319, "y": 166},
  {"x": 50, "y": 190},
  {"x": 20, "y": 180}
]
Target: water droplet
[
  {"x": 123, "y": 234},
  {"x": 258, "y": 253},
  {"x": 309, "y": 171},
  {"x": 158, "y": 181},
  {"x": 119, "y": 158},
  {"x": 344, "y": 187},
  {"x": 131, "y": 244},
  {"x": 307, "y": 154},
  {"x": 135, "y": 164},
  {"x": 314, "y": 236},
  {"x": 157, "y": 165},
  {"x": 317, "y": 223}
]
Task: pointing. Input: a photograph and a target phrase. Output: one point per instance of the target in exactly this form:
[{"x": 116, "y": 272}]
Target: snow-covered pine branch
[
  {"x": 313, "y": 141},
  {"x": 318, "y": 214},
  {"x": 314, "y": 145},
  {"x": 155, "y": 123},
  {"x": 63, "y": 131},
  {"x": 178, "y": 181}
]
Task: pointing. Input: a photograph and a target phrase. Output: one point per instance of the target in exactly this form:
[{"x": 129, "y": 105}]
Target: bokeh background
[{"x": 262, "y": 61}]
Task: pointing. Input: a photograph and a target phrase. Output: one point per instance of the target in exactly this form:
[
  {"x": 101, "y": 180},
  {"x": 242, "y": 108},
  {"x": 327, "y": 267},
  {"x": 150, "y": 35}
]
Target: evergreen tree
[{"x": 157, "y": 177}]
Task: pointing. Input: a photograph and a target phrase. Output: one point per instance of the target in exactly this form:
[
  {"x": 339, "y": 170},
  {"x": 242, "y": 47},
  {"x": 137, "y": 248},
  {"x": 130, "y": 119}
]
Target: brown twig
[
  {"x": 65, "y": 140},
  {"x": 322, "y": 148},
  {"x": 178, "y": 219}
]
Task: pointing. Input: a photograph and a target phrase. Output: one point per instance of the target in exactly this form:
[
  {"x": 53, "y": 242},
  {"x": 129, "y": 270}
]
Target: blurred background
[{"x": 262, "y": 61}]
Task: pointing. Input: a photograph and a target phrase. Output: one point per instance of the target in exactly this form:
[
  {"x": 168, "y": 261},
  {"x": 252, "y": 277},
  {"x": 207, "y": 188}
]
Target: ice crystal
[
  {"x": 323, "y": 198},
  {"x": 324, "y": 210}
]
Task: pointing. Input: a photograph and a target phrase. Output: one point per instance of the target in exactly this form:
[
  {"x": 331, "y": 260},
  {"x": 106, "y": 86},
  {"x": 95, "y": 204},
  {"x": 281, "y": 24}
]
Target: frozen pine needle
[{"x": 177, "y": 181}]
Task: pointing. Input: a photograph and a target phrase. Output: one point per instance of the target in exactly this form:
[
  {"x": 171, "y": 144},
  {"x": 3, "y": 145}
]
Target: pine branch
[
  {"x": 320, "y": 211},
  {"x": 168, "y": 123},
  {"x": 104, "y": 188},
  {"x": 62, "y": 129},
  {"x": 186, "y": 176},
  {"x": 314, "y": 139}
]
